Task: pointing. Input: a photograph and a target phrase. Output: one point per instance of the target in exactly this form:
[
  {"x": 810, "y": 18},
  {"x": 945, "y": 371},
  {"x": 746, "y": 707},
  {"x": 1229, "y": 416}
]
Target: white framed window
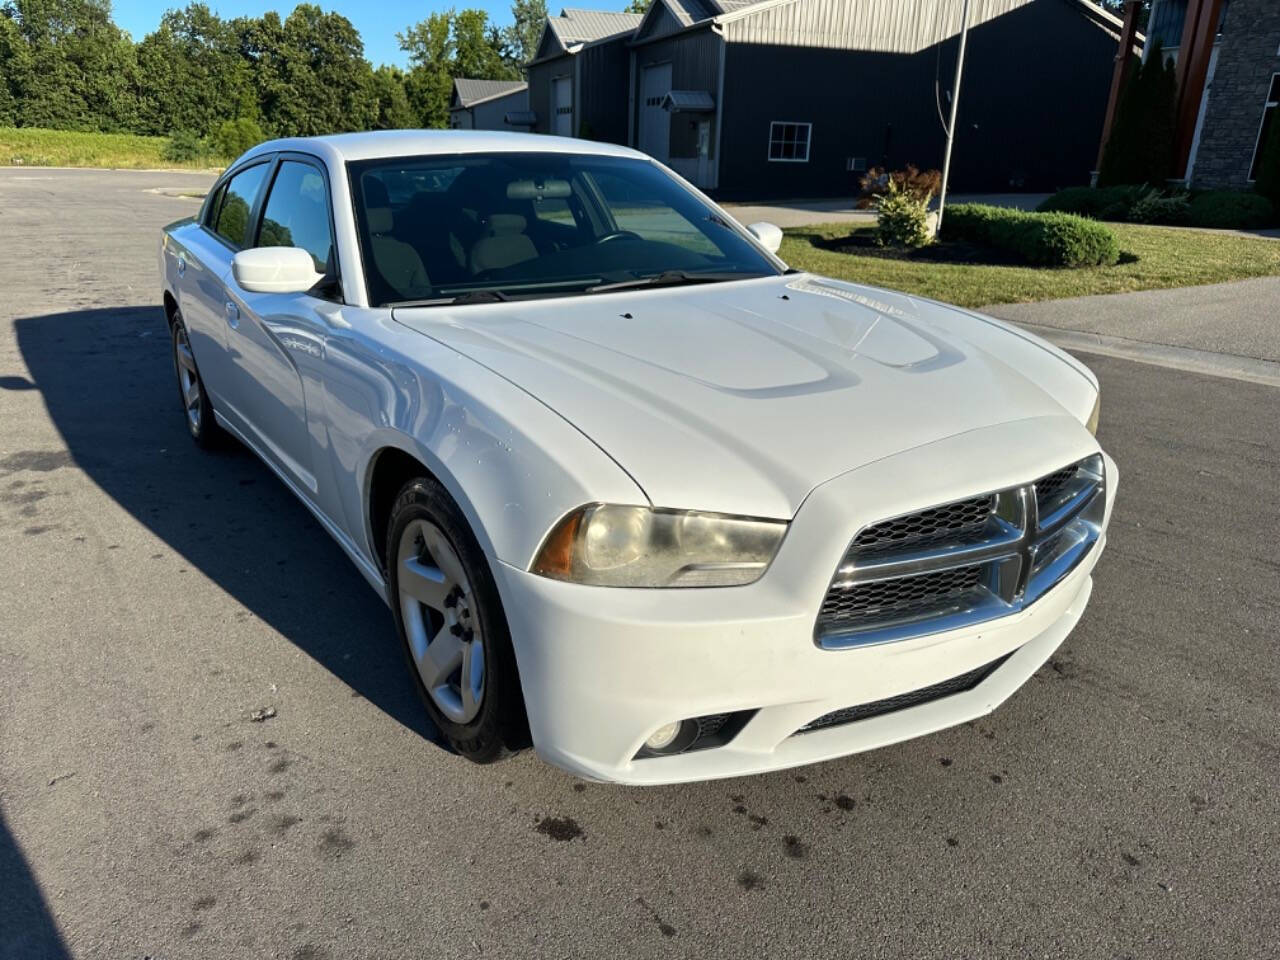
[
  {"x": 789, "y": 141},
  {"x": 1270, "y": 110}
]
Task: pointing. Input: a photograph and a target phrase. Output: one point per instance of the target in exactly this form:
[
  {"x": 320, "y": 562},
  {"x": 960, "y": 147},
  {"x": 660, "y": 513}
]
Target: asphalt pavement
[{"x": 1125, "y": 803}]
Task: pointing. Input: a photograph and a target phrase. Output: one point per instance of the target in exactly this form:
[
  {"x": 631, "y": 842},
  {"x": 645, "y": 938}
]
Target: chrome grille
[{"x": 963, "y": 562}]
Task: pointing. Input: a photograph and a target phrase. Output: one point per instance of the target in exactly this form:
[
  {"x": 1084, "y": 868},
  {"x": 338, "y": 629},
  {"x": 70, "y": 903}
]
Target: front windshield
[{"x": 508, "y": 225}]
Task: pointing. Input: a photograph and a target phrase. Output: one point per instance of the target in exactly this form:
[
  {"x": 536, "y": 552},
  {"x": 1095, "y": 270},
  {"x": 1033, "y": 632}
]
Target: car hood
[{"x": 741, "y": 397}]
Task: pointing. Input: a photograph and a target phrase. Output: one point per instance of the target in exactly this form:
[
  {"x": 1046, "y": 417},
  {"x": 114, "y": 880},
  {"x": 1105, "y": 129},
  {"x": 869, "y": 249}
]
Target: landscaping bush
[
  {"x": 1045, "y": 239},
  {"x": 1140, "y": 148},
  {"x": 917, "y": 184},
  {"x": 1153, "y": 206},
  {"x": 1101, "y": 203},
  {"x": 903, "y": 219},
  {"x": 1230, "y": 209}
]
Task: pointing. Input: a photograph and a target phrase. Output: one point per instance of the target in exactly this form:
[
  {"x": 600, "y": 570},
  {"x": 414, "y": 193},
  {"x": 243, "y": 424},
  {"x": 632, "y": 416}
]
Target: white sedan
[{"x": 633, "y": 489}]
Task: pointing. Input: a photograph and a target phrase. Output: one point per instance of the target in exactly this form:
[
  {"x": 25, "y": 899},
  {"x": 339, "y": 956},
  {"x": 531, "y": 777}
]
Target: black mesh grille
[
  {"x": 901, "y": 598},
  {"x": 950, "y": 522},
  {"x": 1048, "y": 487},
  {"x": 913, "y": 698}
]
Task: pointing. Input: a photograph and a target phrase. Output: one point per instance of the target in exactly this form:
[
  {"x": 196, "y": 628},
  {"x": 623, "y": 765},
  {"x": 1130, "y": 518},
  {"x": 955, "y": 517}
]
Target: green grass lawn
[
  {"x": 33, "y": 147},
  {"x": 1152, "y": 258}
]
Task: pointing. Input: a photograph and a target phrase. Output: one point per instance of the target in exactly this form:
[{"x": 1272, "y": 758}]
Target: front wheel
[{"x": 452, "y": 626}]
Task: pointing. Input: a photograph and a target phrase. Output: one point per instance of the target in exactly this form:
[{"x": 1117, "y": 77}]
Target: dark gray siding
[
  {"x": 601, "y": 92},
  {"x": 1030, "y": 112},
  {"x": 695, "y": 65},
  {"x": 540, "y": 77}
]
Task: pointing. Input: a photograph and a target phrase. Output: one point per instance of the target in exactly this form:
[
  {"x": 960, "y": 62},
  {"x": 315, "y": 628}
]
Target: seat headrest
[
  {"x": 505, "y": 224},
  {"x": 380, "y": 220}
]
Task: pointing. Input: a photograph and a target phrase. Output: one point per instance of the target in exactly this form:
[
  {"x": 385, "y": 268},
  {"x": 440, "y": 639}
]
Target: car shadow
[
  {"x": 27, "y": 929},
  {"x": 106, "y": 378}
]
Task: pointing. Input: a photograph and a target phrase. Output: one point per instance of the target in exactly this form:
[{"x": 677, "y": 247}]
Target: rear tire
[
  {"x": 452, "y": 626},
  {"x": 196, "y": 407}
]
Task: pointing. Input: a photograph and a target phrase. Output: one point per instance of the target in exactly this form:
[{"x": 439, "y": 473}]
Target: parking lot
[{"x": 1125, "y": 803}]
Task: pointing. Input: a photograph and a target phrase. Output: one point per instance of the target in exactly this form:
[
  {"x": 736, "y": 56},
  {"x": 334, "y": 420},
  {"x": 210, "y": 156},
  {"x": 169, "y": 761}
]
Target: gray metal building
[
  {"x": 796, "y": 98},
  {"x": 489, "y": 105}
]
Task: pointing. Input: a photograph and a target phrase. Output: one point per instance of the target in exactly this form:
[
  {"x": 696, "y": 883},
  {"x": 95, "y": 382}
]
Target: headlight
[
  {"x": 617, "y": 546},
  {"x": 1092, "y": 424}
]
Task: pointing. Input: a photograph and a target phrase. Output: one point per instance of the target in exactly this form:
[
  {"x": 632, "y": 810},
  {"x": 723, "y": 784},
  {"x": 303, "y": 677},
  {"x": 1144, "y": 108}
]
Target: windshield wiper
[
  {"x": 471, "y": 296},
  {"x": 672, "y": 278}
]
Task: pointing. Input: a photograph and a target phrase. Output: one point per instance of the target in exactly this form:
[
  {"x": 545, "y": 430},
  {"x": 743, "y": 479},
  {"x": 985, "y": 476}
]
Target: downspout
[
  {"x": 631, "y": 99},
  {"x": 718, "y": 30},
  {"x": 577, "y": 94}
]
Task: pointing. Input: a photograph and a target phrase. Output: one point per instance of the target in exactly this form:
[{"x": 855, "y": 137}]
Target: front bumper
[{"x": 603, "y": 668}]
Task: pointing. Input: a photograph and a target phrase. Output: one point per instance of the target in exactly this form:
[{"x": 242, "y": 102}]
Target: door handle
[{"x": 233, "y": 314}]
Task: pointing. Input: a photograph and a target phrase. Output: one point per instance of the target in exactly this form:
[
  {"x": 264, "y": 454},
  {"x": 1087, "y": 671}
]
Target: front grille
[
  {"x": 963, "y": 562},
  {"x": 958, "y": 520},
  {"x": 901, "y": 597},
  {"x": 912, "y": 698}
]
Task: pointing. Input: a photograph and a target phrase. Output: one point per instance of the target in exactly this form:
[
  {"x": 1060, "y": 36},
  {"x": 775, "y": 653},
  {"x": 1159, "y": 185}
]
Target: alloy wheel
[
  {"x": 440, "y": 620},
  {"x": 188, "y": 379}
]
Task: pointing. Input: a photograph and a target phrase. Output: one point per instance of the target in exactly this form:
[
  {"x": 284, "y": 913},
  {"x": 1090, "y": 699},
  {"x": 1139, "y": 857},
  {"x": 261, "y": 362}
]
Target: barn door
[
  {"x": 655, "y": 122},
  {"x": 562, "y": 101}
]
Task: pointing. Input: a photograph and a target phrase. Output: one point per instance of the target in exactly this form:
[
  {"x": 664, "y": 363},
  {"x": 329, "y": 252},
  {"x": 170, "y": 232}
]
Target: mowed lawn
[
  {"x": 1152, "y": 258},
  {"x": 33, "y": 147}
]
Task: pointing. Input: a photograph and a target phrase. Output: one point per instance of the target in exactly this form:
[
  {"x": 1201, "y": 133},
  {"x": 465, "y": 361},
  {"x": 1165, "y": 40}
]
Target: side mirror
[
  {"x": 768, "y": 234},
  {"x": 275, "y": 270}
]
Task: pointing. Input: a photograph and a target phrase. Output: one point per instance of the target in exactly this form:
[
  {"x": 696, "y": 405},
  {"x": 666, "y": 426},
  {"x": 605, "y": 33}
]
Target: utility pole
[{"x": 955, "y": 104}]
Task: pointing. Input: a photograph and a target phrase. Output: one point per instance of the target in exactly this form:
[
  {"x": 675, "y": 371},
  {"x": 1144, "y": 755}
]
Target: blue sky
[{"x": 376, "y": 21}]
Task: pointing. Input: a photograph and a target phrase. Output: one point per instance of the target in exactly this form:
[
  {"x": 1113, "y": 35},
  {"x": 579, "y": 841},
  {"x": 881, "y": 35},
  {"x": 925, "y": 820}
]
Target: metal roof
[
  {"x": 575, "y": 25},
  {"x": 689, "y": 101},
  {"x": 467, "y": 93}
]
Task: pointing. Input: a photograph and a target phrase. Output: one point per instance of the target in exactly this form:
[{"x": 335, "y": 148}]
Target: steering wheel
[{"x": 619, "y": 234}]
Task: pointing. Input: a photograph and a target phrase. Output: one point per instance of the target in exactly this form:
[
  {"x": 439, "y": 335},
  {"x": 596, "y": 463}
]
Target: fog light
[{"x": 664, "y": 736}]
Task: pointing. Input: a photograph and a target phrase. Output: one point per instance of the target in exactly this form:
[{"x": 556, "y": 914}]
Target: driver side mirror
[
  {"x": 275, "y": 270},
  {"x": 769, "y": 235}
]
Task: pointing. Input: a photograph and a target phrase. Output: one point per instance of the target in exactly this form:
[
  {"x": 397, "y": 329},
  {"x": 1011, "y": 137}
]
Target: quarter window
[
  {"x": 789, "y": 142},
  {"x": 232, "y": 223},
  {"x": 297, "y": 213},
  {"x": 1268, "y": 118}
]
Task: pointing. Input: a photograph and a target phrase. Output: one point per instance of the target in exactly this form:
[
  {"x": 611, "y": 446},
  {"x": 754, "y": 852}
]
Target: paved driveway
[{"x": 1125, "y": 803}]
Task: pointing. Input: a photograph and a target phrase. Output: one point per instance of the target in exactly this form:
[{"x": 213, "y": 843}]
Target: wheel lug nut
[{"x": 456, "y": 629}]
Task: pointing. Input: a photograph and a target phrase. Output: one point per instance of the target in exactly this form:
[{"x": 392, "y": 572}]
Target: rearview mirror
[
  {"x": 275, "y": 270},
  {"x": 769, "y": 235}
]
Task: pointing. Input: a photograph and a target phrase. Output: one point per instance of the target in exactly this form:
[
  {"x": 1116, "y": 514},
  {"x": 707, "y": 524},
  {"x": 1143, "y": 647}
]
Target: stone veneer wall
[{"x": 1249, "y": 53}]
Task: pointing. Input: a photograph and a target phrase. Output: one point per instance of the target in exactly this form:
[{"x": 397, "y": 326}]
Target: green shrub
[
  {"x": 1140, "y": 148},
  {"x": 1230, "y": 209},
  {"x": 1153, "y": 206},
  {"x": 234, "y": 137},
  {"x": 184, "y": 147},
  {"x": 1101, "y": 203},
  {"x": 1044, "y": 239},
  {"x": 903, "y": 219}
]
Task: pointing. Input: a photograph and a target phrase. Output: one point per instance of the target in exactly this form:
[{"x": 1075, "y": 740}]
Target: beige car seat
[
  {"x": 505, "y": 244},
  {"x": 398, "y": 262}
]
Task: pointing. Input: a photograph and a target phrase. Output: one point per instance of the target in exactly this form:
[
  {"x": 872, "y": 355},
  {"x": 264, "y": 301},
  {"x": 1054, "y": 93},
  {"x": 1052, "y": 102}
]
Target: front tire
[
  {"x": 197, "y": 409},
  {"x": 452, "y": 626}
]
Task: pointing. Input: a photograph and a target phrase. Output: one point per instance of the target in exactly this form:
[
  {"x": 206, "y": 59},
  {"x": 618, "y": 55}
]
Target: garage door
[
  {"x": 562, "y": 101},
  {"x": 655, "y": 122}
]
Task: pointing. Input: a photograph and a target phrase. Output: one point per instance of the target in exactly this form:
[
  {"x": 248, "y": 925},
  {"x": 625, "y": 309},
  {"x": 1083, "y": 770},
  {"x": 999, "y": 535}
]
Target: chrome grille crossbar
[{"x": 963, "y": 563}]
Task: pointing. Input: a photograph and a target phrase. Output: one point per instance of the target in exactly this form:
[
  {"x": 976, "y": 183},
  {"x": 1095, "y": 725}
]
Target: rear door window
[{"x": 232, "y": 219}]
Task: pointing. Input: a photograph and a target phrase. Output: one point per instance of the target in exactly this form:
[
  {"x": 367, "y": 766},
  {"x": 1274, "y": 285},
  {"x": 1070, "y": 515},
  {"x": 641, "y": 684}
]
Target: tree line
[{"x": 66, "y": 65}]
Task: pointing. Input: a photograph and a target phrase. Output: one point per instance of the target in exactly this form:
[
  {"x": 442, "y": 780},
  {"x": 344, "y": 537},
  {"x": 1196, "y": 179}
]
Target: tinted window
[
  {"x": 297, "y": 213},
  {"x": 534, "y": 224},
  {"x": 237, "y": 203}
]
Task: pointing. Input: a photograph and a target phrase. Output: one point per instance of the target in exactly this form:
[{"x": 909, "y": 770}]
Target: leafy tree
[
  {"x": 1140, "y": 148},
  {"x": 309, "y": 72},
  {"x": 394, "y": 111},
  {"x": 192, "y": 75},
  {"x": 67, "y": 65},
  {"x": 234, "y": 137},
  {"x": 522, "y": 36},
  {"x": 637, "y": 6},
  {"x": 446, "y": 45}
]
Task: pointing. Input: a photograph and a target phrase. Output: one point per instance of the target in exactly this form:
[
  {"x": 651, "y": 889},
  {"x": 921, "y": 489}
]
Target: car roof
[{"x": 374, "y": 144}]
